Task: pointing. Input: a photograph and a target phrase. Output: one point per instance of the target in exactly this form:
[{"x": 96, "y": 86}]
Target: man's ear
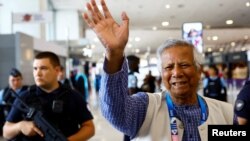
[{"x": 58, "y": 69}]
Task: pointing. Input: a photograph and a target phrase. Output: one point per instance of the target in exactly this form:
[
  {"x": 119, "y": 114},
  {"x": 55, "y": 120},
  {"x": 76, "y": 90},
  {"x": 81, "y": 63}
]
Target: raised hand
[{"x": 112, "y": 35}]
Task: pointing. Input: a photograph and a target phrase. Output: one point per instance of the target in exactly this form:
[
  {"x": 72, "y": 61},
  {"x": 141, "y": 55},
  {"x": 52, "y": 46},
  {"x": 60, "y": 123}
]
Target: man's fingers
[
  {"x": 124, "y": 16},
  {"x": 97, "y": 11},
  {"x": 38, "y": 131},
  {"x": 125, "y": 20},
  {"x": 94, "y": 16},
  {"x": 88, "y": 20},
  {"x": 105, "y": 9}
]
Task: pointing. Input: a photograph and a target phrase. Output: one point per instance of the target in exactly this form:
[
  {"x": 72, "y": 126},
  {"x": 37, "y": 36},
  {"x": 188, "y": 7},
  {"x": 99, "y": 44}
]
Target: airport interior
[{"x": 220, "y": 29}]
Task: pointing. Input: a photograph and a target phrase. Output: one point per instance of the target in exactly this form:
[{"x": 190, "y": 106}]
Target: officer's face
[
  {"x": 179, "y": 73},
  {"x": 15, "y": 82},
  {"x": 212, "y": 72},
  {"x": 45, "y": 74}
]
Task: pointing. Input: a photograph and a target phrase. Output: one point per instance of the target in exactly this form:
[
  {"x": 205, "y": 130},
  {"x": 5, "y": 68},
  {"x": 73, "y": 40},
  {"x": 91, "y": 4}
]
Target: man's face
[
  {"x": 15, "y": 82},
  {"x": 45, "y": 74},
  {"x": 179, "y": 73},
  {"x": 212, "y": 72}
]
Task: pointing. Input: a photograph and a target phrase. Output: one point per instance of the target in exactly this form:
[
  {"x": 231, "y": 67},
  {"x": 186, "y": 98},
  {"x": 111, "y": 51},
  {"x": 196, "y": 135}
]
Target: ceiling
[{"x": 145, "y": 14}]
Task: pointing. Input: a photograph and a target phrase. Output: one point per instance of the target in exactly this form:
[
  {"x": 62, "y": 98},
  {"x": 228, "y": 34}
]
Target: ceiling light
[
  {"x": 165, "y": 23},
  {"x": 229, "y": 22},
  {"x": 137, "y": 39},
  {"x": 215, "y": 38},
  {"x": 246, "y": 37},
  {"x": 129, "y": 45},
  {"x": 221, "y": 49},
  {"x": 209, "y": 49},
  {"x": 247, "y": 4},
  {"x": 243, "y": 49},
  {"x": 232, "y": 44},
  {"x": 167, "y": 6},
  {"x": 154, "y": 28}
]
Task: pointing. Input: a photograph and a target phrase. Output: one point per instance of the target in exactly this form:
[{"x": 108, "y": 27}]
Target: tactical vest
[
  {"x": 9, "y": 98},
  {"x": 214, "y": 88},
  {"x": 56, "y": 111}
]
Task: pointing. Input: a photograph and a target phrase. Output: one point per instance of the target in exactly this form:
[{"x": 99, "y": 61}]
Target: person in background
[
  {"x": 214, "y": 86},
  {"x": 97, "y": 83},
  {"x": 242, "y": 105},
  {"x": 82, "y": 84},
  {"x": 62, "y": 78},
  {"x": 133, "y": 65},
  {"x": 61, "y": 106},
  {"x": 72, "y": 77},
  {"x": 149, "y": 83},
  {"x": 178, "y": 112},
  {"x": 15, "y": 84},
  {"x": 158, "y": 84},
  {"x": 7, "y": 97}
]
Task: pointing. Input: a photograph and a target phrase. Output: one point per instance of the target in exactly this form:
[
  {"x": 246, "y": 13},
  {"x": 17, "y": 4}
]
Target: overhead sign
[
  {"x": 193, "y": 32},
  {"x": 39, "y": 17}
]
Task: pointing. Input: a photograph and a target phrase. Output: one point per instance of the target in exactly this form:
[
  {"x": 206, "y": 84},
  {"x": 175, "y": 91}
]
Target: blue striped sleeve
[{"x": 126, "y": 113}]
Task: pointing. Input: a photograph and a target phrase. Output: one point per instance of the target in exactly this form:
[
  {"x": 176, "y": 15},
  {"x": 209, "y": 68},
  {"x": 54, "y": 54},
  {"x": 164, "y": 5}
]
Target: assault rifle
[{"x": 50, "y": 133}]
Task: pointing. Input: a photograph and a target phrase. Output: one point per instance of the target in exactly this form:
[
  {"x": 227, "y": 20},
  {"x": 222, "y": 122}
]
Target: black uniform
[
  {"x": 242, "y": 103},
  {"x": 67, "y": 116},
  {"x": 215, "y": 90},
  {"x": 9, "y": 98}
]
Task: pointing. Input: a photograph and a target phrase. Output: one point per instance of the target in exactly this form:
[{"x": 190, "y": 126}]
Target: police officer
[
  {"x": 215, "y": 86},
  {"x": 242, "y": 105},
  {"x": 133, "y": 63},
  {"x": 64, "y": 108},
  {"x": 15, "y": 83},
  {"x": 63, "y": 79},
  {"x": 7, "y": 97}
]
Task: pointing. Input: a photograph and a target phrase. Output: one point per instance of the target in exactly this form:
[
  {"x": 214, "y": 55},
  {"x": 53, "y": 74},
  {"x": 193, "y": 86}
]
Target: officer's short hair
[
  {"x": 214, "y": 68},
  {"x": 54, "y": 59},
  {"x": 15, "y": 72},
  {"x": 133, "y": 63}
]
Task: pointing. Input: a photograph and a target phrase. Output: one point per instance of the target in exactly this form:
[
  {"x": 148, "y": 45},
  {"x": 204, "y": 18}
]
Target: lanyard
[{"x": 172, "y": 115}]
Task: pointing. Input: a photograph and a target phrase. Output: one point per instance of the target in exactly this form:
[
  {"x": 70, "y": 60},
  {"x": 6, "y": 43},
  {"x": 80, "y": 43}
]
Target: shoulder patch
[{"x": 239, "y": 105}]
